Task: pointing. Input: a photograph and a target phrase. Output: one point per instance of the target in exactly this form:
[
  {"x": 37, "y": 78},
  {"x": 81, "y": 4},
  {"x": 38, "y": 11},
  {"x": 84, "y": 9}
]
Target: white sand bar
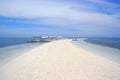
[{"x": 60, "y": 60}]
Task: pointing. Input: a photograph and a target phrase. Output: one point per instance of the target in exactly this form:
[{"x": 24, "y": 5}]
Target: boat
[{"x": 74, "y": 39}]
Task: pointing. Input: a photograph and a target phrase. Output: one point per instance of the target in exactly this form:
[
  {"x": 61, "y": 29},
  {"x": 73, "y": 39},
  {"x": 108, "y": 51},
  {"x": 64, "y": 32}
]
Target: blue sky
[{"x": 83, "y": 18}]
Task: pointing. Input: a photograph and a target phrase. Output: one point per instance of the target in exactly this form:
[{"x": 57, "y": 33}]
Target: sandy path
[{"x": 60, "y": 60}]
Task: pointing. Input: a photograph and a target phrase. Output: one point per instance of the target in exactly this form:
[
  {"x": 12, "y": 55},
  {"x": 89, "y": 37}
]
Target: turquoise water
[
  {"x": 10, "y": 52},
  {"x": 104, "y": 51}
]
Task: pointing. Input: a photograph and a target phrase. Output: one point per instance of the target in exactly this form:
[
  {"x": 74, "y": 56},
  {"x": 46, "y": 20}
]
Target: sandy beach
[{"x": 60, "y": 60}]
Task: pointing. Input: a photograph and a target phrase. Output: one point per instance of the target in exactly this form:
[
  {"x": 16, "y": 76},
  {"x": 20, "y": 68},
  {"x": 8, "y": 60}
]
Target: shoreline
[
  {"x": 60, "y": 60},
  {"x": 103, "y": 51},
  {"x": 106, "y": 43},
  {"x": 11, "y": 52}
]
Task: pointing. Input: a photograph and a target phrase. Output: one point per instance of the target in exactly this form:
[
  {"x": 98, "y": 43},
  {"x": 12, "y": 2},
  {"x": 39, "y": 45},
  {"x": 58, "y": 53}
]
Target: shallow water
[
  {"x": 10, "y": 52},
  {"x": 104, "y": 51}
]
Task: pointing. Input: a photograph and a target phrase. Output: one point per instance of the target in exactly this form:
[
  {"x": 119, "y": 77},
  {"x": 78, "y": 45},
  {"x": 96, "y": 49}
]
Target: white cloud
[
  {"x": 105, "y": 3},
  {"x": 57, "y": 12}
]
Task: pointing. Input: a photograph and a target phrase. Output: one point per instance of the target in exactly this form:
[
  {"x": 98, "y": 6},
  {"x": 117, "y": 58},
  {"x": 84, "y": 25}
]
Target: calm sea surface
[
  {"x": 109, "y": 42},
  {"x": 106, "y": 47},
  {"x": 4, "y": 42},
  {"x": 12, "y": 47}
]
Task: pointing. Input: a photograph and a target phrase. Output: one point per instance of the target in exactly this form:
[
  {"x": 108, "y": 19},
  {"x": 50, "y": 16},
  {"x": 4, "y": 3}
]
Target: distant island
[{"x": 44, "y": 39}]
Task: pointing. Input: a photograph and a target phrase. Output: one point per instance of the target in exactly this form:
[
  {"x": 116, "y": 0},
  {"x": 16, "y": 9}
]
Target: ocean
[
  {"x": 109, "y": 42},
  {"x": 4, "y": 42},
  {"x": 106, "y": 47},
  {"x": 11, "y": 47}
]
